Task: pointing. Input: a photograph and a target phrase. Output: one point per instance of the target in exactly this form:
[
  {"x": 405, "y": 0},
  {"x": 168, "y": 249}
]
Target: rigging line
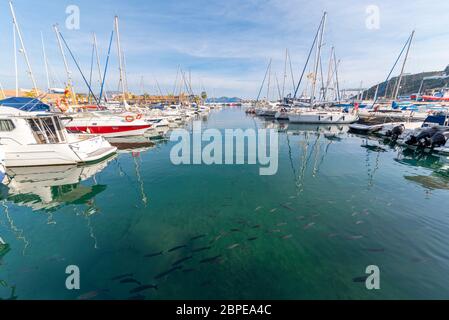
[
  {"x": 308, "y": 57},
  {"x": 394, "y": 66},
  {"x": 79, "y": 69},
  {"x": 106, "y": 65},
  {"x": 263, "y": 82}
]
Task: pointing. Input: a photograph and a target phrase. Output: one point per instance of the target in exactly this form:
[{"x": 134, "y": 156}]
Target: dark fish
[
  {"x": 198, "y": 237},
  {"x": 235, "y": 230},
  {"x": 137, "y": 297},
  {"x": 301, "y": 218},
  {"x": 130, "y": 280},
  {"x": 218, "y": 237},
  {"x": 126, "y": 275},
  {"x": 182, "y": 260},
  {"x": 360, "y": 279},
  {"x": 153, "y": 254},
  {"x": 211, "y": 259},
  {"x": 160, "y": 275},
  {"x": 286, "y": 206},
  {"x": 274, "y": 231},
  {"x": 188, "y": 270},
  {"x": 256, "y": 226},
  {"x": 252, "y": 239},
  {"x": 201, "y": 249},
  {"x": 144, "y": 287},
  {"x": 177, "y": 248}
]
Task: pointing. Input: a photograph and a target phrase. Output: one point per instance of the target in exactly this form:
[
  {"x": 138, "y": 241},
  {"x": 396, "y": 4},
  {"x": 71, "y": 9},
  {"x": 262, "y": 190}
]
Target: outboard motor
[
  {"x": 438, "y": 140},
  {"x": 395, "y": 132},
  {"x": 423, "y": 138}
]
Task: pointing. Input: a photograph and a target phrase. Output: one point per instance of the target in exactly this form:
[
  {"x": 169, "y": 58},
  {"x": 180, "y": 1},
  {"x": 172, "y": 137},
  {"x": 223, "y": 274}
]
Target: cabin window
[
  {"x": 45, "y": 130},
  {"x": 6, "y": 125}
]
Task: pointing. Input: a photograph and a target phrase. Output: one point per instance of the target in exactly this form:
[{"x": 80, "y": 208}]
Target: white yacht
[
  {"x": 325, "y": 117},
  {"x": 38, "y": 138}
]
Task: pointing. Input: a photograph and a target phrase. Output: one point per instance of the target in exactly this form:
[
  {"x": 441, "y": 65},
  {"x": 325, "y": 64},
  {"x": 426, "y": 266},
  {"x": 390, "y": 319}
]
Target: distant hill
[
  {"x": 224, "y": 100},
  {"x": 411, "y": 83}
]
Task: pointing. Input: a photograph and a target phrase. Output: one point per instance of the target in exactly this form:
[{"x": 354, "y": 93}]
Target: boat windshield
[{"x": 47, "y": 130}]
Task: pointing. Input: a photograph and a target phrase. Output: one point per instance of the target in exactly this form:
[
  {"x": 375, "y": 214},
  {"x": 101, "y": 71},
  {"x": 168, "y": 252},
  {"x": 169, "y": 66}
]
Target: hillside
[{"x": 411, "y": 83}]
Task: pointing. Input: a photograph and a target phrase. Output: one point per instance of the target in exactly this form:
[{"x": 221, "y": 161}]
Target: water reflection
[{"x": 49, "y": 188}]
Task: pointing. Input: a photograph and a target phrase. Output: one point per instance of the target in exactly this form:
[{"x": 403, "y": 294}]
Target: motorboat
[
  {"x": 107, "y": 124},
  {"x": 30, "y": 135}
]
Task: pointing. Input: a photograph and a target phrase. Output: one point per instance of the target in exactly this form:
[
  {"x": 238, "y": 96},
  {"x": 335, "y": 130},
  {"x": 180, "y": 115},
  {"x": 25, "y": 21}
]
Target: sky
[{"x": 226, "y": 45}]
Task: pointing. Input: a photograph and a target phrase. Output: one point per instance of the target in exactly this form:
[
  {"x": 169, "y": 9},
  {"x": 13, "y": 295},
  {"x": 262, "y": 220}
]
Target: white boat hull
[{"x": 323, "y": 117}]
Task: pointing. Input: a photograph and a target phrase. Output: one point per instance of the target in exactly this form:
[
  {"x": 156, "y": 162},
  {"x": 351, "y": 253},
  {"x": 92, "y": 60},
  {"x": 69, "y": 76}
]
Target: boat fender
[{"x": 139, "y": 116}]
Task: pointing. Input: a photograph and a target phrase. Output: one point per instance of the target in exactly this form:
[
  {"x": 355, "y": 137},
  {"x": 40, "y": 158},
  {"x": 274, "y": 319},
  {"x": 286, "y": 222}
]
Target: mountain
[{"x": 411, "y": 83}]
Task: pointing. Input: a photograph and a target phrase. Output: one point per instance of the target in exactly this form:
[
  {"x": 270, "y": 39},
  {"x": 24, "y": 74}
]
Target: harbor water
[{"x": 337, "y": 204}]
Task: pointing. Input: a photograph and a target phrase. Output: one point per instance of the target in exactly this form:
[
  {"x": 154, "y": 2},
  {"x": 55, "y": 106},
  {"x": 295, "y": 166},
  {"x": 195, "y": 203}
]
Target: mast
[
  {"x": 66, "y": 65},
  {"x": 291, "y": 70},
  {"x": 277, "y": 84},
  {"x": 336, "y": 77},
  {"x": 285, "y": 73},
  {"x": 100, "y": 77},
  {"x": 119, "y": 51},
  {"x": 15, "y": 59},
  {"x": 317, "y": 59},
  {"x": 30, "y": 71},
  {"x": 45, "y": 61},
  {"x": 329, "y": 74},
  {"x": 403, "y": 66},
  {"x": 268, "y": 87}
]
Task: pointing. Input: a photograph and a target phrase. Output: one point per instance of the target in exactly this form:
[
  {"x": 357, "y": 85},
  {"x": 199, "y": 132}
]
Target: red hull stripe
[{"x": 108, "y": 129}]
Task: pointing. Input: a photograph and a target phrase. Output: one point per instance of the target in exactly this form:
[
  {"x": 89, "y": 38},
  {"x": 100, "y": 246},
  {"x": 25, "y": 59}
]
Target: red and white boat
[{"x": 107, "y": 124}]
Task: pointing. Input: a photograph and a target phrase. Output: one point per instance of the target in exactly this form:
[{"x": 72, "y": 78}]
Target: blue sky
[{"x": 226, "y": 44}]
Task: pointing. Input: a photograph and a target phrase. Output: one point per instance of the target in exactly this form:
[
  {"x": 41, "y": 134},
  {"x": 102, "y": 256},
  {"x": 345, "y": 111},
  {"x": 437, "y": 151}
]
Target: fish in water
[
  {"x": 355, "y": 237},
  {"x": 315, "y": 215},
  {"x": 188, "y": 270},
  {"x": 252, "y": 239},
  {"x": 288, "y": 236},
  {"x": 301, "y": 218},
  {"x": 182, "y": 260},
  {"x": 280, "y": 224},
  {"x": 273, "y": 210},
  {"x": 233, "y": 246},
  {"x": 201, "y": 249},
  {"x": 143, "y": 288},
  {"x": 160, "y": 275},
  {"x": 211, "y": 259},
  {"x": 286, "y": 206},
  {"x": 360, "y": 279},
  {"x": 235, "y": 230},
  {"x": 177, "y": 248},
  {"x": 258, "y": 208},
  {"x": 354, "y": 214},
  {"x": 88, "y": 295},
  {"x": 126, "y": 275},
  {"x": 309, "y": 225},
  {"x": 197, "y": 237},
  {"x": 256, "y": 226},
  {"x": 150, "y": 255},
  {"x": 130, "y": 280},
  {"x": 359, "y": 222}
]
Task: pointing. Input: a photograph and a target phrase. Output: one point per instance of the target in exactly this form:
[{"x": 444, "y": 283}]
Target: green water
[{"x": 337, "y": 204}]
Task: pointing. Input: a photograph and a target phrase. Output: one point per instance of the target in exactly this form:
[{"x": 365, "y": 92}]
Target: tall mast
[
  {"x": 119, "y": 51},
  {"x": 66, "y": 65},
  {"x": 285, "y": 73},
  {"x": 291, "y": 70},
  {"x": 15, "y": 59},
  {"x": 403, "y": 66},
  {"x": 30, "y": 71},
  {"x": 268, "y": 87},
  {"x": 329, "y": 74},
  {"x": 317, "y": 59},
  {"x": 45, "y": 61}
]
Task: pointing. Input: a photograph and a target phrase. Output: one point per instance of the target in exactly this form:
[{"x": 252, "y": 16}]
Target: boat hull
[{"x": 324, "y": 118}]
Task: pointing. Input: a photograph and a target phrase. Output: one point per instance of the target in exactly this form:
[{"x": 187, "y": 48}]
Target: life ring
[
  {"x": 139, "y": 116},
  {"x": 129, "y": 118}
]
